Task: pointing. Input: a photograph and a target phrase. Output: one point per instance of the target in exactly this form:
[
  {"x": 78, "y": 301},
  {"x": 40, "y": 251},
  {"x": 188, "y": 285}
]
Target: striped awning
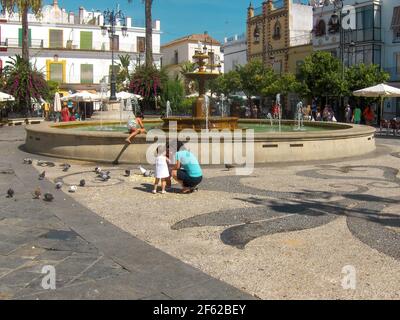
[{"x": 396, "y": 18}]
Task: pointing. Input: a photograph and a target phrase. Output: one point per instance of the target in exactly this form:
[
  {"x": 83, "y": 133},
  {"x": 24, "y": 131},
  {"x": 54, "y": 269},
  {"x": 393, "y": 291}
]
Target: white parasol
[{"x": 381, "y": 91}]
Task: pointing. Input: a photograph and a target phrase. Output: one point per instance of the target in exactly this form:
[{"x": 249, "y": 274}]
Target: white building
[
  {"x": 235, "y": 52},
  {"x": 70, "y": 48},
  {"x": 374, "y": 38},
  {"x": 181, "y": 50}
]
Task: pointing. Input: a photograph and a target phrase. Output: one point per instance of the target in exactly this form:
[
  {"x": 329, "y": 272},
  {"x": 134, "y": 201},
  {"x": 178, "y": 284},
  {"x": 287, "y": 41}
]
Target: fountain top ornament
[{"x": 201, "y": 118}]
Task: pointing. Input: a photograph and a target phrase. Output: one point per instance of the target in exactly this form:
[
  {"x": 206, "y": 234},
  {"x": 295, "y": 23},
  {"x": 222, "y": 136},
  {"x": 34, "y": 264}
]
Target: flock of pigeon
[{"x": 48, "y": 197}]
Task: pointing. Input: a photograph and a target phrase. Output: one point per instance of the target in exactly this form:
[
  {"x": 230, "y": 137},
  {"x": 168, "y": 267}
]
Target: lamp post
[{"x": 111, "y": 19}]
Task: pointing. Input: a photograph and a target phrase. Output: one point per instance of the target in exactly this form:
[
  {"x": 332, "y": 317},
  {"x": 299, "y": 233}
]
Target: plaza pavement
[{"x": 285, "y": 232}]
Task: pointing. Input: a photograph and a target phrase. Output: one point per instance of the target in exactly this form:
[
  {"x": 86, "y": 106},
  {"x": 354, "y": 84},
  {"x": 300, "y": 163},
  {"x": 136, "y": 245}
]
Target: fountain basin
[
  {"x": 199, "y": 123},
  {"x": 333, "y": 141}
]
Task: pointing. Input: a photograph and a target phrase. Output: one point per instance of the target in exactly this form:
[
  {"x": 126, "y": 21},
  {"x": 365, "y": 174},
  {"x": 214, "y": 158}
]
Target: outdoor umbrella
[
  {"x": 123, "y": 95},
  {"x": 57, "y": 102},
  {"x": 4, "y": 97},
  {"x": 83, "y": 96},
  {"x": 381, "y": 91}
]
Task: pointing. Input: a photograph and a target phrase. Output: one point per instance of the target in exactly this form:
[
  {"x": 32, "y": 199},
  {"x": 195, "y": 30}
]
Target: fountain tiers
[{"x": 199, "y": 119}]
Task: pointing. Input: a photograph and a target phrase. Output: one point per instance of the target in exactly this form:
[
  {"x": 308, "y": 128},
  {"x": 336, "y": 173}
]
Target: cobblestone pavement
[
  {"x": 285, "y": 232},
  {"x": 93, "y": 258}
]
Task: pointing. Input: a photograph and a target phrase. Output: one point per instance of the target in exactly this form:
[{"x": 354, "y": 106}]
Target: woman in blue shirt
[{"x": 187, "y": 170}]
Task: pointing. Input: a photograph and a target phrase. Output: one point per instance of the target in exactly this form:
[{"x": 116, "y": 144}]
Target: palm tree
[
  {"x": 149, "y": 32},
  {"x": 23, "y": 7}
]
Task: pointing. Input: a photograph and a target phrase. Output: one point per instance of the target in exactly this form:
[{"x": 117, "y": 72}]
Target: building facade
[
  {"x": 70, "y": 48},
  {"x": 179, "y": 51},
  {"x": 235, "y": 52},
  {"x": 372, "y": 37},
  {"x": 279, "y": 33}
]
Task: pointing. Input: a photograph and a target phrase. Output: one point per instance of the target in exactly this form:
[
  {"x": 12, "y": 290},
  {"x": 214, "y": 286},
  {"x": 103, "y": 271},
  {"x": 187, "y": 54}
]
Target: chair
[{"x": 384, "y": 124}]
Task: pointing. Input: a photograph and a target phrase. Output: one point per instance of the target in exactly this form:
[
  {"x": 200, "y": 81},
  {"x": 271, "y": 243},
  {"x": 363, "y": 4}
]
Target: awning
[{"x": 396, "y": 18}]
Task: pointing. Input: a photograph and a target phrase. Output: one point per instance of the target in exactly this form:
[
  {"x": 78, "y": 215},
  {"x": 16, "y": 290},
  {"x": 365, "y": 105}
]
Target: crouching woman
[{"x": 187, "y": 171}]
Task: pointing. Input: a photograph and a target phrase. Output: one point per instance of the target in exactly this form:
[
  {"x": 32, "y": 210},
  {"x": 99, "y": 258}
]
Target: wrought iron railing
[{"x": 75, "y": 45}]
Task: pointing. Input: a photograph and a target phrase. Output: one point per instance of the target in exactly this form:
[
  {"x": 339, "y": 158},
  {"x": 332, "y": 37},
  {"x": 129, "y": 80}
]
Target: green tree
[
  {"x": 321, "y": 75},
  {"x": 227, "y": 84},
  {"x": 149, "y": 31},
  {"x": 24, "y": 82},
  {"x": 174, "y": 92},
  {"x": 123, "y": 75},
  {"x": 284, "y": 84},
  {"x": 254, "y": 77},
  {"x": 23, "y": 7},
  {"x": 185, "y": 68},
  {"x": 362, "y": 76},
  {"x": 53, "y": 87}
]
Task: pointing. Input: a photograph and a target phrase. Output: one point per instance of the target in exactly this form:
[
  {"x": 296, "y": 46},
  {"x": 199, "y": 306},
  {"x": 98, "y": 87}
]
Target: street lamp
[{"x": 111, "y": 19}]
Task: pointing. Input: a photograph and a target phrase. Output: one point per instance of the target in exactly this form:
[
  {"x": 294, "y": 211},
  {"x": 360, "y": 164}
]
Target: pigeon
[
  {"x": 149, "y": 173},
  {"x": 82, "y": 183},
  {"x": 42, "y": 175},
  {"x": 28, "y": 161},
  {"x": 142, "y": 170},
  {"x": 37, "y": 193},
  {"x": 59, "y": 185},
  {"x": 104, "y": 176},
  {"x": 229, "y": 166},
  {"x": 127, "y": 173},
  {"x": 97, "y": 170},
  {"x": 46, "y": 164},
  {"x": 72, "y": 189},
  {"x": 10, "y": 193},
  {"x": 48, "y": 197},
  {"x": 66, "y": 167},
  {"x": 146, "y": 173}
]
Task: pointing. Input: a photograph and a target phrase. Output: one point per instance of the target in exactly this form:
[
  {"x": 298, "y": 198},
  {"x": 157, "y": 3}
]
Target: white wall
[{"x": 235, "y": 54}]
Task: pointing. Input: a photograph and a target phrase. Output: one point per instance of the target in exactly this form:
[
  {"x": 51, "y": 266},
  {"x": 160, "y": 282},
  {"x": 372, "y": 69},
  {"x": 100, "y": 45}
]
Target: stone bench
[{"x": 21, "y": 121}]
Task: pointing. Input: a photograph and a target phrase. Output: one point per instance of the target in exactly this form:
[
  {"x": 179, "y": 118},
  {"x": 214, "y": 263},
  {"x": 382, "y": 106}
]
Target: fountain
[
  {"x": 201, "y": 117},
  {"x": 168, "y": 111},
  {"x": 299, "y": 116},
  {"x": 278, "y": 102}
]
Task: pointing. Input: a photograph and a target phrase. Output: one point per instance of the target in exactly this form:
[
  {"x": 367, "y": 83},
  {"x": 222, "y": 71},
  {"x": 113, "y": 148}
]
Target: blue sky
[{"x": 221, "y": 18}]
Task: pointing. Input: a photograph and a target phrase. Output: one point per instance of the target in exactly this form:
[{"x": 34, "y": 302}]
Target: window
[
  {"x": 86, "y": 40},
  {"x": 396, "y": 24},
  {"x": 141, "y": 44},
  {"x": 277, "y": 31},
  {"x": 397, "y": 62},
  {"x": 176, "y": 57},
  {"x": 256, "y": 34},
  {"x": 320, "y": 29},
  {"x": 86, "y": 73},
  {"x": 56, "y": 38},
  {"x": 20, "y": 37},
  {"x": 56, "y": 72},
  {"x": 368, "y": 23}
]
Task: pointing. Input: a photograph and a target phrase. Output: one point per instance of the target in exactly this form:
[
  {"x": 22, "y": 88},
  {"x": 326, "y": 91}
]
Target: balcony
[
  {"x": 76, "y": 46},
  {"x": 301, "y": 39}
]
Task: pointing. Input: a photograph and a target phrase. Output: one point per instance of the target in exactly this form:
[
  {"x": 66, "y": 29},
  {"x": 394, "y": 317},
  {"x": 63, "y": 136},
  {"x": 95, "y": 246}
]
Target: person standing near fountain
[
  {"x": 135, "y": 127},
  {"x": 187, "y": 171}
]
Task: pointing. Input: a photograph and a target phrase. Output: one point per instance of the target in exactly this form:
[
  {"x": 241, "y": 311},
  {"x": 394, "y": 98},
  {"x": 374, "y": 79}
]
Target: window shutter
[
  {"x": 20, "y": 37},
  {"x": 56, "y": 38},
  {"x": 86, "y": 40},
  {"x": 86, "y": 73},
  {"x": 56, "y": 72}
]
